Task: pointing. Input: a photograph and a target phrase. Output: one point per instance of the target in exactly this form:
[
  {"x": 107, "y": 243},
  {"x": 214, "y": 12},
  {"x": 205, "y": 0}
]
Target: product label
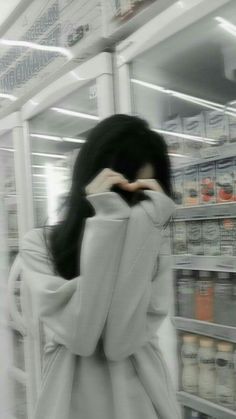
[
  {"x": 175, "y": 144},
  {"x": 195, "y": 126},
  {"x": 225, "y": 180},
  {"x": 232, "y": 129},
  {"x": 211, "y": 237},
  {"x": 204, "y": 301},
  {"x": 217, "y": 126},
  {"x": 191, "y": 189},
  {"x": 178, "y": 186},
  {"x": 207, "y": 177},
  {"x": 228, "y": 236},
  {"x": 194, "y": 237},
  {"x": 179, "y": 238}
]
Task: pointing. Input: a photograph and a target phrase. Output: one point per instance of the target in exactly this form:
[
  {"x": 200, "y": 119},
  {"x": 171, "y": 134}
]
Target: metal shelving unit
[
  {"x": 205, "y": 406},
  {"x": 205, "y": 263},
  {"x": 215, "y": 331},
  {"x": 198, "y": 212}
]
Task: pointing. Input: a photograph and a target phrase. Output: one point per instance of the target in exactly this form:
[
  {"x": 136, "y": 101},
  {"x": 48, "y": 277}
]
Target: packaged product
[
  {"x": 204, "y": 297},
  {"x": 178, "y": 186},
  {"x": 186, "y": 293},
  {"x": 211, "y": 237},
  {"x": 232, "y": 129},
  {"x": 179, "y": 237},
  {"x": 191, "y": 185},
  {"x": 217, "y": 126},
  {"x": 228, "y": 236},
  {"x": 222, "y": 298},
  {"x": 175, "y": 144},
  {"x": 194, "y": 125},
  {"x": 225, "y": 180},
  {"x": 207, "y": 176},
  {"x": 189, "y": 354},
  {"x": 225, "y": 374},
  {"x": 194, "y": 237},
  {"x": 207, "y": 374}
]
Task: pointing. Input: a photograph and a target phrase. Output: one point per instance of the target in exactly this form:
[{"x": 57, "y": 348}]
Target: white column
[
  {"x": 23, "y": 179},
  {"x": 125, "y": 102}
]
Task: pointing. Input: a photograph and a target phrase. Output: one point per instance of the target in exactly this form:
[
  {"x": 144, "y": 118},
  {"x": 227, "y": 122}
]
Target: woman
[{"x": 100, "y": 281}]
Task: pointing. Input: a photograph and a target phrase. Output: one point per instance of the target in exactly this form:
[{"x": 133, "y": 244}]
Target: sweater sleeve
[
  {"x": 76, "y": 310},
  {"x": 140, "y": 300}
]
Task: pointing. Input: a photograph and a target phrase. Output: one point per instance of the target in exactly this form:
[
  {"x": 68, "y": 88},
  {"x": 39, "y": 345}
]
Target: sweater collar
[{"x": 160, "y": 208}]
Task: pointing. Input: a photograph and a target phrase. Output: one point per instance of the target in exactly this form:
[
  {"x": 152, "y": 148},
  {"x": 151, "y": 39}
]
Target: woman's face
[{"x": 146, "y": 172}]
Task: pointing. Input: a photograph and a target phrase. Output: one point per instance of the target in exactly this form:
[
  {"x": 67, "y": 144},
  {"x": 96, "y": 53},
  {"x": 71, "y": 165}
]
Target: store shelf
[
  {"x": 18, "y": 374},
  {"x": 204, "y": 406},
  {"x": 211, "y": 154},
  {"x": 216, "y": 331},
  {"x": 205, "y": 263},
  {"x": 199, "y": 212},
  {"x": 13, "y": 243}
]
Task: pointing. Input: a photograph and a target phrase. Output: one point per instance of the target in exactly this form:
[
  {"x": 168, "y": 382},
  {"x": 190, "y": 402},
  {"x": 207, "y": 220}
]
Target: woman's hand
[
  {"x": 143, "y": 184},
  {"x": 104, "y": 181},
  {"x": 108, "y": 177}
]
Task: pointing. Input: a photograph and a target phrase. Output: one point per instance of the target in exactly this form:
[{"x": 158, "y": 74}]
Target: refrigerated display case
[
  {"x": 49, "y": 133},
  {"x": 178, "y": 72}
]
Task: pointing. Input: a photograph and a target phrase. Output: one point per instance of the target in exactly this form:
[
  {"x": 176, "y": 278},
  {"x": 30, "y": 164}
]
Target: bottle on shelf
[
  {"x": 189, "y": 354},
  {"x": 222, "y": 298},
  {"x": 185, "y": 293},
  {"x": 204, "y": 297},
  {"x": 207, "y": 375},
  {"x": 225, "y": 375},
  {"x": 232, "y": 306}
]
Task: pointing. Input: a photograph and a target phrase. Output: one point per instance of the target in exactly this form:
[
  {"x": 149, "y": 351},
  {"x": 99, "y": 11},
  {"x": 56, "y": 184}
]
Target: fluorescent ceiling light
[
  {"x": 198, "y": 101},
  {"x": 76, "y": 76},
  {"x": 33, "y": 45},
  {"x": 46, "y": 137},
  {"x": 54, "y": 156},
  {"x": 7, "y": 96},
  {"x": 39, "y": 166},
  {"x": 76, "y": 114},
  {"x": 55, "y": 138},
  {"x": 187, "y": 136},
  {"x": 226, "y": 25},
  {"x": 37, "y": 175},
  {"x": 7, "y": 149},
  {"x": 73, "y": 140},
  {"x": 178, "y": 155}
]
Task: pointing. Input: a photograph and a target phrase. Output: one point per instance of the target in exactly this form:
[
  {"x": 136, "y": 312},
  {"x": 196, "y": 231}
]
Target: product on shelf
[
  {"x": 207, "y": 176},
  {"x": 217, "y": 126},
  {"x": 194, "y": 237},
  {"x": 225, "y": 180},
  {"x": 228, "y": 236},
  {"x": 193, "y": 414},
  {"x": 191, "y": 186},
  {"x": 175, "y": 144},
  {"x": 179, "y": 237},
  {"x": 225, "y": 375},
  {"x": 232, "y": 307},
  {"x": 185, "y": 293},
  {"x": 222, "y": 298},
  {"x": 194, "y": 125},
  {"x": 211, "y": 237},
  {"x": 189, "y": 353},
  {"x": 232, "y": 129},
  {"x": 207, "y": 376},
  {"x": 204, "y": 297},
  {"x": 178, "y": 186}
]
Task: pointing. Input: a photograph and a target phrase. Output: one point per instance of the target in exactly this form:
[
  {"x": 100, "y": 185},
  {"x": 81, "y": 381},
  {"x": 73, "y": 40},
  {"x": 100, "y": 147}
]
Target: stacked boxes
[{"x": 207, "y": 183}]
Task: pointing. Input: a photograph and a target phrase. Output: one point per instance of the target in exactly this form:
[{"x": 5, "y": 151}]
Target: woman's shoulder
[{"x": 35, "y": 238}]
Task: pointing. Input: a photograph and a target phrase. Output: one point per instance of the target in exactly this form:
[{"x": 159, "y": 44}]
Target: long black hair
[{"x": 124, "y": 144}]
